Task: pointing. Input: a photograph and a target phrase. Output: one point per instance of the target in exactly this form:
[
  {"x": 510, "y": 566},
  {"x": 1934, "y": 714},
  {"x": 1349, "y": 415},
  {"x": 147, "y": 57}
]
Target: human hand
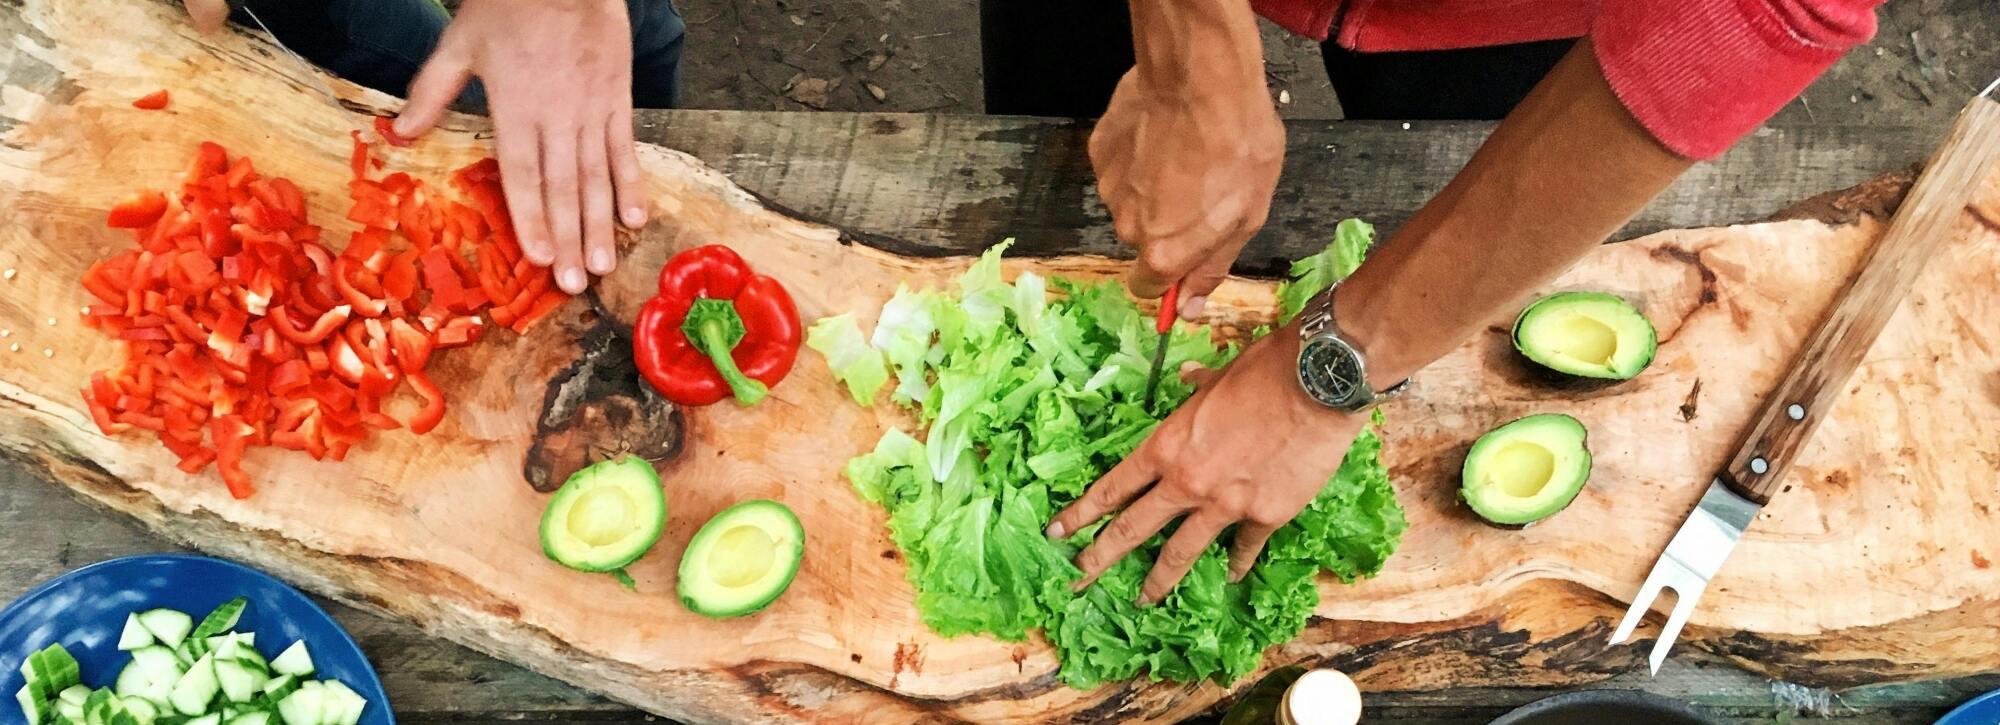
[
  {"x": 558, "y": 77},
  {"x": 1218, "y": 461},
  {"x": 1186, "y": 168},
  {"x": 207, "y": 16}
]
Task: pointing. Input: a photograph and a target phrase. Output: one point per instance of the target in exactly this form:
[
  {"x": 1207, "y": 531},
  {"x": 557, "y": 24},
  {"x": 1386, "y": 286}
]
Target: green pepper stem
[{"x": 715, "y": 342}]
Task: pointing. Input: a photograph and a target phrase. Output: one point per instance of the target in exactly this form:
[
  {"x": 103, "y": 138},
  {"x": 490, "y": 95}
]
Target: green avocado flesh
[
  {"x": 605, "y": 516},
  {"x": 1586, "y": 334},
  {"x": 1527, "y": 470},
  {"x": 742, "y": 559}
]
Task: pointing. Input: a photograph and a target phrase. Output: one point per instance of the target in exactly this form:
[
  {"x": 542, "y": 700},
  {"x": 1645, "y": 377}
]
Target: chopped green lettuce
[
  {"x": 1312, "y": 275},
  {"x": 1025, "y": 400},
  {"x": 855, "y": 364}
]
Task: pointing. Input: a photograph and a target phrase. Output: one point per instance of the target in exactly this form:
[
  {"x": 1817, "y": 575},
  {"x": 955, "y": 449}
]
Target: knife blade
[
  {"x": 1795, "y": 408},
  {"x": 1163, "y": 323},
  {"x": 307, "y": 70}
]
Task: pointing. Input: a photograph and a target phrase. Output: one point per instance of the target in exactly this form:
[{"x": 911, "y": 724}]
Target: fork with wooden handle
[{"x": 1787, "y": 419}]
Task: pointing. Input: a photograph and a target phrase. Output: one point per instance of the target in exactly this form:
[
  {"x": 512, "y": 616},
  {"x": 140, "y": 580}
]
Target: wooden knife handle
[{"x": 1922, "y": 225}]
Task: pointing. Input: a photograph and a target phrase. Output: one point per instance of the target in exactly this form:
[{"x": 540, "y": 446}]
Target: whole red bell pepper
[{"x": 715, "y": 329}]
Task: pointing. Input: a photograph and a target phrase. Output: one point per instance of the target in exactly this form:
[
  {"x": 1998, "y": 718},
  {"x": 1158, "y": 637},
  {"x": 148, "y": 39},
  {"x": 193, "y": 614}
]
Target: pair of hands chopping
[
  {"x": 1188, "y": 178},
  {"x": 564, "y": 139}
]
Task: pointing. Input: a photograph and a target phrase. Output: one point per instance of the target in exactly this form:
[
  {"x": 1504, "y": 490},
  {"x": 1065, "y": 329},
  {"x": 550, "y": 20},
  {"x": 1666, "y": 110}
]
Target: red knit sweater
[{"x": 1698, "y": 74}]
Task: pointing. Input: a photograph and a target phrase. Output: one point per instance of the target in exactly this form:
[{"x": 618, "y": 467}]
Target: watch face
[{"x": 1331, "y": 372}]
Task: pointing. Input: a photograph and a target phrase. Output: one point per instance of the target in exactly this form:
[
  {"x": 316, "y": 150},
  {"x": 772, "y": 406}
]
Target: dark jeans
[
  {"x": 1064, "y": 57},
  {"x": 381, "y": 43}
]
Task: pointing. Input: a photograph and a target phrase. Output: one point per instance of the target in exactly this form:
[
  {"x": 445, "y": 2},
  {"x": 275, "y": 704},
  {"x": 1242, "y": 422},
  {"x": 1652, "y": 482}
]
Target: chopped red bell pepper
[
  {"x": 152, "y": 101},
  {"x": 137, "y": 210},
  {"x": 238, "y": 329},
  {"x": 386, "y": 128},
  {"x": 715, "y": 329}
]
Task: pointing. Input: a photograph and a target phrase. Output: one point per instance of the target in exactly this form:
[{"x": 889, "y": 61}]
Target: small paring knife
[
  {"x": 1163, "y": 323},
  {"x": 1793, "y": 410}
]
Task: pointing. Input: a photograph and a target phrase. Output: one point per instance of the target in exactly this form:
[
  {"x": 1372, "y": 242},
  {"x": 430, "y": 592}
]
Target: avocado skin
[{"x": 1546, "y": 376}]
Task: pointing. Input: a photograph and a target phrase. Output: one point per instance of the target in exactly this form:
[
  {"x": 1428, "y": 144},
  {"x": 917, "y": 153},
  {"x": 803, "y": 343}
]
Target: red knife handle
[{"x": 1164, "y": 321}]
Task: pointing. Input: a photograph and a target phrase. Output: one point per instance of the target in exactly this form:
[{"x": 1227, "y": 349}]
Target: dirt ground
[{"x": 923, "y": 56}]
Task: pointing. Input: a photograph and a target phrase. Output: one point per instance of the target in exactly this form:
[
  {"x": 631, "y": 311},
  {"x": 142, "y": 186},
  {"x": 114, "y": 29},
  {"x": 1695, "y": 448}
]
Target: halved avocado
[
  {"x": 741, "y": 560},
  {"x": 1586, "y": 334},
  {"x": 1526, "y": 470},
  {"x": 605, "y": 516}
]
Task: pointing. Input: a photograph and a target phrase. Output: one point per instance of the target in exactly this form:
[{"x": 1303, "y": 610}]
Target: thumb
[
  {"x": 207, "y": 16},
  {"x": 435, "y": 86},
  {"x": 1202, "y": 280},
  {"x": 1198, "y": 375}
]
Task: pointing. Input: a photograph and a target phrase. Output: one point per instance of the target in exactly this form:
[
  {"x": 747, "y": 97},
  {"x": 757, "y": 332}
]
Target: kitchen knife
[
  {"x": 1794, "y": 409},
  {"x": 1163, "y": 323},
  {"x": 310, "y": 72}
]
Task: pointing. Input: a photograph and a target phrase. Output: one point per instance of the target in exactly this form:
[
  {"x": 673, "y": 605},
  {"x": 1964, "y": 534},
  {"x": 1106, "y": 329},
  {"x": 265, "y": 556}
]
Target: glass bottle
[{"x": 1294, "y": 695}]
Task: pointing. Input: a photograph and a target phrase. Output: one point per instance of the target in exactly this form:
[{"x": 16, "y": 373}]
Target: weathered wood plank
[
  {"x": 434, "y": 682},
  {"x": 948, "y": 184}
]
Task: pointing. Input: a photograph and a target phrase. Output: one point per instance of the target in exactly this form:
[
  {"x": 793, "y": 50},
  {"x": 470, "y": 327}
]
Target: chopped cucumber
[
  {"x": 196, "y": 689},
  {"x": 280, "y": 686},
  {"x": 135, "y": 634},
  {"x": 303, "y": 707},
  {"x": 206, "y": 720},
  {"x": 351, "y": 703},
  {"x": 50, "y": 671},
  {"x": 141, "y": 709},
  {"x": 222, "y": 619},
  {"x": 185, "y": 655},
  {"x": 294, "y": 661},
  {"x": 169, "y": 626},
  {"x": 34, "y": 707},
  {"x": 74, "y": 694},
  {"x": 95, "y": 706},
  {"x": 255, "y": 717},
  {"x": 71, "y": 711},
  {"x": 240, "y": 680}
]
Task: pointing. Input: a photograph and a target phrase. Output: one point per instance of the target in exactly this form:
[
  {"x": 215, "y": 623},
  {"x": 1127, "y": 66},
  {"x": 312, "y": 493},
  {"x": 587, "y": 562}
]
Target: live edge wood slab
[{"x": 1877, "y": 570}]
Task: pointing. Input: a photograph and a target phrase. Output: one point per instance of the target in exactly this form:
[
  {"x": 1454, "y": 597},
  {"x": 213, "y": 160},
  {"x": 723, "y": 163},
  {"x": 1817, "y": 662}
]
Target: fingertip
[
  {"x": 572, "y": 280},
  {"x": 633, "y": 216},
  {"x": 1192, "y": 307},
  {"x": 602, "y": 261},
  {"x": 1055, "y": 530}
]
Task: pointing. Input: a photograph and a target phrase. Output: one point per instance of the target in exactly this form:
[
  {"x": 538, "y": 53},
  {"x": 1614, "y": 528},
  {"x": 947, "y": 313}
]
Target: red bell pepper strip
[
  {"x": 344, "y": 282},
  {"x": 459, "y": 332},
  {"x": 281, "y": 320},
  {"x": 152, "y": 101},
  {"x": 358, "y": 162},
  {"x": 386, "y": 128},
  {"x": 433, "y": 411},
  {"x": 715, "y": 329}
]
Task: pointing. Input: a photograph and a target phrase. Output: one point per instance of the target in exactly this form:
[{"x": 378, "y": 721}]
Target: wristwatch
[{"x": 1331, "y": 369}]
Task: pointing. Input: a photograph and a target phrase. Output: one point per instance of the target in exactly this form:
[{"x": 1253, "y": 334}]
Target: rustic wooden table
[{"x": 950, "y": 184}]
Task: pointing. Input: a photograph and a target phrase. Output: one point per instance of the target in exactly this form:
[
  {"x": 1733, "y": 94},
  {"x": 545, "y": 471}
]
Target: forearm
[
  {"x": 1563, "y": 172},
  {"x": 1201, "y": 46}
]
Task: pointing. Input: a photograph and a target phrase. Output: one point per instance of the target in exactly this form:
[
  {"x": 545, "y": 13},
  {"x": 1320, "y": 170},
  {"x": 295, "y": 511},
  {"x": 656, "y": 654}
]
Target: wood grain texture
[
  {"x": 438, "y": 531},
  {"x": 929, "y": 185},
  {"x": 1923, "y": 224}
]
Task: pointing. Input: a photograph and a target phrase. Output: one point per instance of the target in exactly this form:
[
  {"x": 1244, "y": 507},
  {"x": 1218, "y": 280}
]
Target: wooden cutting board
[{"x": 1879, "y": 569}]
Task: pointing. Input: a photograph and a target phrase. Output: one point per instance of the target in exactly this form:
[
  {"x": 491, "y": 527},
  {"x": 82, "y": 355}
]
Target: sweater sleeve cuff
[{"x": 1701, "y": 74}]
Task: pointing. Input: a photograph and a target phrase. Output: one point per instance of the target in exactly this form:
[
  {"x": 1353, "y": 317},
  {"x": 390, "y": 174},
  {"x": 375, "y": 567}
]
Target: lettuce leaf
[
  {"x": 854, "y": 363},
  {"x": 1312, "y": 275},
  {"x": 1026, "y": 399}
]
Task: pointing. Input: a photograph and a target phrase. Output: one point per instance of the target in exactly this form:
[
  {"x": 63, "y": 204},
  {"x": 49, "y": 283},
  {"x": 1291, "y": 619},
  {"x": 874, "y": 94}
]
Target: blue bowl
[
  {"x": 1981, "y": 710},
  {"x": 84, "y": 611}
]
